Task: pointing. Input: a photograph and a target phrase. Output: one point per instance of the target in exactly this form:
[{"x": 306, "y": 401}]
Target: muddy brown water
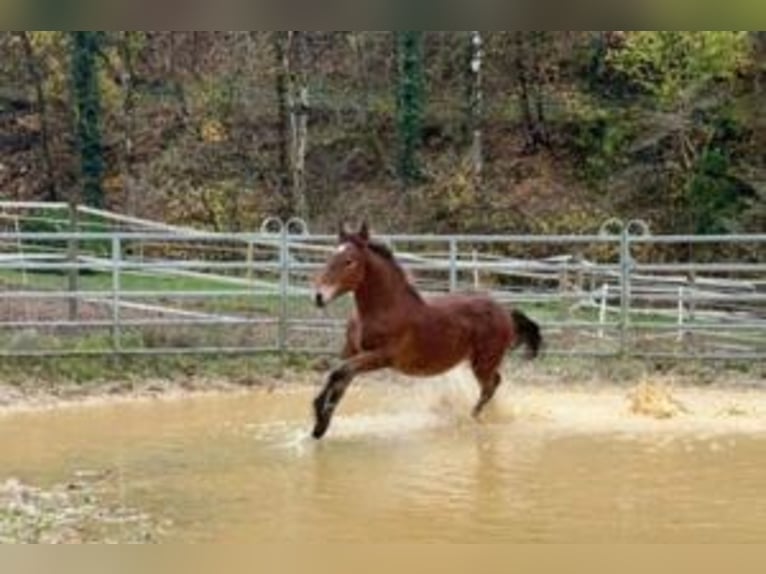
[{"x": 405, "y": 463}]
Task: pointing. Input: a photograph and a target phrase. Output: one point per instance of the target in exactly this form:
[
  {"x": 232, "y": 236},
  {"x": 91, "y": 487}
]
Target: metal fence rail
[{"x": 164, "y": 292}]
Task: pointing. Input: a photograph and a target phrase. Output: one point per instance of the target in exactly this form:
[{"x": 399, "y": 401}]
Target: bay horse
[{"x": 394, "y": 327}]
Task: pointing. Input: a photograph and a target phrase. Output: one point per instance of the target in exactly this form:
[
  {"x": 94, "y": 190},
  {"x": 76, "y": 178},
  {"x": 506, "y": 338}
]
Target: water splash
[
  {"x": 384, "y": 426},
  {"x": 452, "y": 396}
]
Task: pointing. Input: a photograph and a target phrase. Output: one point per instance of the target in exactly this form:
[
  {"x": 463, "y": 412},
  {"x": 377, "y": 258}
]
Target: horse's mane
[{"x": 384, "y": 251}]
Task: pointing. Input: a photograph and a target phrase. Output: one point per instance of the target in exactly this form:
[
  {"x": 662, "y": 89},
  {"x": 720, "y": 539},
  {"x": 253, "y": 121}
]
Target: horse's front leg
[{"x": 338, "y": 381}]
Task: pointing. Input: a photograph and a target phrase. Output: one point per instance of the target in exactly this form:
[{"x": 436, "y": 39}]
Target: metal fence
[{"x": 170, "y": 292}]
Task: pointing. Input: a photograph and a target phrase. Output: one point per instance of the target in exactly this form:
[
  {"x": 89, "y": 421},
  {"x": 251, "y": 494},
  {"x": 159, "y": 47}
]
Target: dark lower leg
[
  {"x": 337, "y": 383},
  {"x": 326, "y": 402},
  {"x": 488, "y": 388}
]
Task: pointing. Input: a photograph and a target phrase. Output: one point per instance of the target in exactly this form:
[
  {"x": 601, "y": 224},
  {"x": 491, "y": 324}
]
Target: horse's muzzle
[{"x": 324, "y": 295}]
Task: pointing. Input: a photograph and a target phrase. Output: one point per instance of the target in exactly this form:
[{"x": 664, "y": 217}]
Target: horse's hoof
[{"x": 320, "y": 429}]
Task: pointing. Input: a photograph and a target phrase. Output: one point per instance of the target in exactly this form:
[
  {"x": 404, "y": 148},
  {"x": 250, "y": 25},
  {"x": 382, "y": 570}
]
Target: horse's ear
[
  {"x": 343, "y": 233},
  {"x": 364, "y": 231}
]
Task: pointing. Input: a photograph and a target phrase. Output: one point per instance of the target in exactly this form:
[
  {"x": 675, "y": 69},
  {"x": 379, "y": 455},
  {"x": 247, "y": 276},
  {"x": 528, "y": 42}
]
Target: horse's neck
[{"x": 383, "y": 289}]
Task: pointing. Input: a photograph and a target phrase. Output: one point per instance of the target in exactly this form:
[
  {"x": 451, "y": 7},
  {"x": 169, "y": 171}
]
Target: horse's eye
[{"x": 349, "y": 262}]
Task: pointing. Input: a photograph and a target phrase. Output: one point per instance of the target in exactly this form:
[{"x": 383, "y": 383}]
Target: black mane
[{"x": 383, "y": 250}]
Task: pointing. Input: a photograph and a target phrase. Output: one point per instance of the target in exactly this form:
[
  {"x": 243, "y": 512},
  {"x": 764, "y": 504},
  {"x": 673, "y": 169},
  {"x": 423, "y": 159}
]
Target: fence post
[
  {"x": 602, "y": 309},
  {"x": 283, "y": 289},
  {"x": 561, "y": 312},
  {"x": 249, "y": 259},
  {"x": 116, "y": 268},
  {"x": 680, "y": 319},
  {"x": 476, "y": 280},
  {"x": 690, "y": 337},
  {"x": 72, "y": 258},
  {"x": 452, "y": 265},
  {"x": 624, "y": 288}
]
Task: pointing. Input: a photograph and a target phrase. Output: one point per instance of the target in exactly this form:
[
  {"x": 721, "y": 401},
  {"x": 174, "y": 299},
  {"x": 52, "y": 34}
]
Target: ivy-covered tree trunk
[
  {"x": 410, "y": 102},
  {"x": 87, "y": 100}
]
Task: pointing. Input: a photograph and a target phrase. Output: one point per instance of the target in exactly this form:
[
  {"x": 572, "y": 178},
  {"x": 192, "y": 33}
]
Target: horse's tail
[{"x": 528, "y": 333}]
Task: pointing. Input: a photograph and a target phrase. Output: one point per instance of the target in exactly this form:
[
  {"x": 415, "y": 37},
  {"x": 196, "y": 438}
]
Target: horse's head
[{"x": 345, "y": 269}]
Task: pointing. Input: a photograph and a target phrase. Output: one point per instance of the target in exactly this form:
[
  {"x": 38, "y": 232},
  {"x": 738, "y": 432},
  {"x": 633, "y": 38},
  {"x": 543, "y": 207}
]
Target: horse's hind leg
[
  {"x": 486, "y": 357},
  {"x": 488, "y": 387},
  {"x": 486, "y": 368}
]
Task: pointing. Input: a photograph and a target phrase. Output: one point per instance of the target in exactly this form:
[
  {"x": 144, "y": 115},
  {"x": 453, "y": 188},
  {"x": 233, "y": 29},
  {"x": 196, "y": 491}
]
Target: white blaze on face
[
  {"x": 327, "y": 291},
  {"x": 342, "y": 248}
]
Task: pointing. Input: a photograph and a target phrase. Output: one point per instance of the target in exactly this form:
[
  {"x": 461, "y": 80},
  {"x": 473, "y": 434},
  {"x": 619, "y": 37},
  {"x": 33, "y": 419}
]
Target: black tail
[{"x": 528, "y": 333}]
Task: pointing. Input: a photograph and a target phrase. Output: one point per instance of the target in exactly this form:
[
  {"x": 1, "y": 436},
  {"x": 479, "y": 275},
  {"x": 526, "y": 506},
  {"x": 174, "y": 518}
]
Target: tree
[
  {"x": 410, "y": 103},
  {"x": 358, "y": 43},
  {"x": 292, "y": 91},
  {"x": 217, "y": 128},
  {"x": 87, "y": 100},
  {"x": 683, "y": 80},
  {"x": 41, "y": 103},
  {"x": 299, "y": 118},
  {"x": 475, "y": 98},
  {"x": 530, "y": 61},
  {"x": 672, "y": 67},
  {"x": 283, "y": 150},
  {"x": 127, "y": 44}
]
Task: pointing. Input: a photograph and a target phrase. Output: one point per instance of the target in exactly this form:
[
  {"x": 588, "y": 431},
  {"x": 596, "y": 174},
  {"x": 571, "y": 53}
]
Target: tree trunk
[
  {"x": 177, "y": 84},
  {"x": 357, "y": 42},
  {"x": 292, "y": 91},
  {"x": 281, "y": 44},
  {"x": 527, "y": 78},
  {"x": 476, "y": 98},
  {"x": 127, "y": 120},
  {"x": 759, "y": 39},
  {"x": 299, "y": 115},
  {"x": 539, "y": 45},
  {"x": 87, "y": 98},
  {"x": 523, "y": 87},
  {"x": 36, "y": 76}
]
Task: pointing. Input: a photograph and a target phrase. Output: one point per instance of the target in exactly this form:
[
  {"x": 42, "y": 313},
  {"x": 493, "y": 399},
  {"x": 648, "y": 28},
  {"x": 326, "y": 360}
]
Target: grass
[
  {"x": 96, "y": 374},
  {"x": 102, "y": 281},
  {"x": 259, "y": 303},
  {"x": 268, "y": 304},
  {"x": 95, "y": 371},
  {"x": 563, "y": 311}
]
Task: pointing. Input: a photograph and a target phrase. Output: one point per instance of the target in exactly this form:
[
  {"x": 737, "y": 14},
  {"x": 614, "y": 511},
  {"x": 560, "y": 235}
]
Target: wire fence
[{"x": 171, "y": 291}]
